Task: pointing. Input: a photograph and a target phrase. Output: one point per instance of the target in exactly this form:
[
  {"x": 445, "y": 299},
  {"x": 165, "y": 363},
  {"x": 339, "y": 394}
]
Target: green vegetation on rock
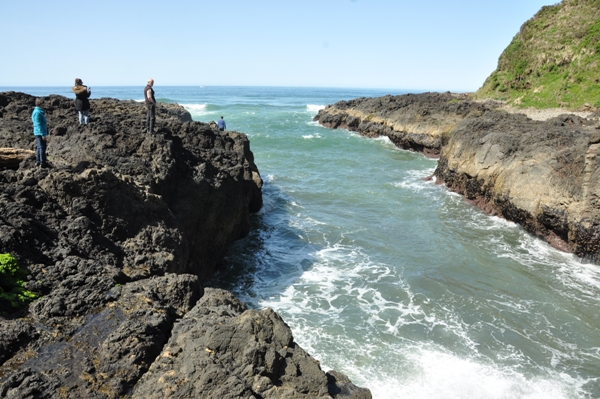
[
  {"x": 554, "y": 60},
  {"x": 12, "y": 284}
]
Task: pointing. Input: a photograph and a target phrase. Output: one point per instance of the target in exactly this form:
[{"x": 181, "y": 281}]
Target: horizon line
[{"x": 421, "y": 90}]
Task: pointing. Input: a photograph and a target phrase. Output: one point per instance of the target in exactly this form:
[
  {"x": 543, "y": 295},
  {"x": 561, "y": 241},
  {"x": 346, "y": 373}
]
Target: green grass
[{"x": 553, "y": 61}]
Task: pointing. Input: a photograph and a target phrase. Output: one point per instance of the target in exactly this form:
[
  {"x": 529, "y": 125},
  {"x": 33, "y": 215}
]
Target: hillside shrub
[
  {"x": 12, "y": 284},
  {"x": 552, "y": 61}
]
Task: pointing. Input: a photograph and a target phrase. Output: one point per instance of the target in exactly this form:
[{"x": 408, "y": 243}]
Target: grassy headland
[{"x": 553, "y": 61}]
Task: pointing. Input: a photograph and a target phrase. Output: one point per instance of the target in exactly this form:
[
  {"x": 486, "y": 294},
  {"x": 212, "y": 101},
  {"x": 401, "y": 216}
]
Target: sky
[{"x": 436, "y": 45}]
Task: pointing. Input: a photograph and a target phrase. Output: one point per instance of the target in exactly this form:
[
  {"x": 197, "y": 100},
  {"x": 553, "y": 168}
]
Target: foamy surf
[
  {"x": 416, "y": 181},
  {"x": 314, "y": 108},
  {"x": 311, "y": 136},
  {"x": 198, "y": 111},
  {"x": 195, "y": 107},
  {"x": 394, "y": 280},
  {"x": 432, "y": 374}
]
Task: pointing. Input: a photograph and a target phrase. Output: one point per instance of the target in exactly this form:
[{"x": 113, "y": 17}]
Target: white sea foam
[
  {"x": 314, "y": 107},
  {"x": 295, "y": 204},
  {"x": 195, "y": 107},
  {"x": 586, "y": 273},
  {"x": 417, "y": 371},
  {"x": 312, "y": 136},
  {"x": 580, "y": 277},
  {"x": 336, "y": 299},
  {"x": 415, "y": 181},
  {"x": 340, "y": 290},
  {"x": 386, "y": 140},
  {"x": 198, "y": 110},
  {"x": 435, "y": 374},
  {"x": 343, "y": 278},
  {"x": 270, "y": 178}
]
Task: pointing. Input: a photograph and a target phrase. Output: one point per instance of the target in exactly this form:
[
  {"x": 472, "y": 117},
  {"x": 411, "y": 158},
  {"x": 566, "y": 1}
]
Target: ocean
[{"x": 386, "y": 276}]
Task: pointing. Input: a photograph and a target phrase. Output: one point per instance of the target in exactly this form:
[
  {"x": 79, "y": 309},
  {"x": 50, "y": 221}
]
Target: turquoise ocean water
[{"x": 390, "y": 278}]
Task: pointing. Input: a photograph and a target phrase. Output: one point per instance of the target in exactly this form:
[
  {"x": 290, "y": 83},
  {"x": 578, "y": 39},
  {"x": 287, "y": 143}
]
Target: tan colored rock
[
  {"x": 10, "y": 158},
  {"x": 538, "y": 168},
  {"x": 542, "y": 175}
]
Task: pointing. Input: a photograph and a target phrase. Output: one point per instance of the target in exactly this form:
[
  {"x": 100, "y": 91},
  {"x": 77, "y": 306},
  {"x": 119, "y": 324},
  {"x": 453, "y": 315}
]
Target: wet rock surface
[
  {"x": 118, "y": 236},
  {"x": 542, "y": 174}
]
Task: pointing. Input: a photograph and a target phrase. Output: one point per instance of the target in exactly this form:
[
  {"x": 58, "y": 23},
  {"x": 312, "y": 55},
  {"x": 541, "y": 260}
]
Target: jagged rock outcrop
[
  {"x": 110, "y": 350},
  {"x": 544, "y": 175},
  {"x": 414, "y": 122},
  {"x": 124, "y": 183},
  {"x": 118, "y": 237},
  {"x": 243, "y": 354}
]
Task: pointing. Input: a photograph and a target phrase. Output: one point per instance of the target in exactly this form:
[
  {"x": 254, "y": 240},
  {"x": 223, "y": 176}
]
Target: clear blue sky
[{"x": 401, "y": 44}]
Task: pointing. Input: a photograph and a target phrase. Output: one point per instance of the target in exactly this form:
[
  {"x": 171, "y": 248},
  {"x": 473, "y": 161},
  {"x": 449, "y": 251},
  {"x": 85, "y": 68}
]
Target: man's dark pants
[
  {"x": 150, "y": 117},
  {"x": 40, "y": 151}
]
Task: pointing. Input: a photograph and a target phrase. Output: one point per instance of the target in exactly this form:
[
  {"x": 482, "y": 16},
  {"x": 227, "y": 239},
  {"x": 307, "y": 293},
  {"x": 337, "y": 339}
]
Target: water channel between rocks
[{"x": 390, "y": 278}]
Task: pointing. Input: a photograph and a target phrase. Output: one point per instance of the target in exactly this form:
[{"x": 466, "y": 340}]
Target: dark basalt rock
[
  {"x": 414, "y": 122},
  {"x": 117, "y": 236},
  {"x": 218, "y": 336},
  {"x": 14, "y": 334},
  {"x": 190, "y": 179},
  {"x": 241, "y": 354},
  {"x": 113, "y": 347}
]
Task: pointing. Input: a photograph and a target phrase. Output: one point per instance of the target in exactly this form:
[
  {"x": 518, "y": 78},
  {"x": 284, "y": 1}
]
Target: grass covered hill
[{"x": 554, "y": 60}]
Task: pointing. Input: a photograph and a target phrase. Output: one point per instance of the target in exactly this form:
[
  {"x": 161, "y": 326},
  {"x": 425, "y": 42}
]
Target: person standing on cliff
[
  {"x": 151, "y": 105},
  {"x": 221, "y": 124},
  {"x": 40, "y": 131},
  {"x": 82, "y": 104}
]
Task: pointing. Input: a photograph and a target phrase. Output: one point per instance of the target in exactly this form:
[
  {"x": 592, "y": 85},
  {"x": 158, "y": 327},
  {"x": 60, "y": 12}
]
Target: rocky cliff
[
  {"x": 415, "y": 122},
  {"x": 118, "y": 236},
  {"x": 544, "y": 175}
]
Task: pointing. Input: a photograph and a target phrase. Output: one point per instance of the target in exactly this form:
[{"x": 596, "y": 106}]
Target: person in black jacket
[
  {"x": 82, "y": 104},
  {"x": 151, "y": 105}
]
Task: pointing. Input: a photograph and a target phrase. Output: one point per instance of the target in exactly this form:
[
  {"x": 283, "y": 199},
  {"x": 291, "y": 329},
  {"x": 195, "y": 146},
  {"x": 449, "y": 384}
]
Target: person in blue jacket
[
  {"x": 221, "y": 124},
  {"x": 40, "y": 131}
]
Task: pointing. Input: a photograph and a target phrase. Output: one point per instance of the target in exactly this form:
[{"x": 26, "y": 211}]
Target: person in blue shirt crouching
[{"x": 221, "y": 124}]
